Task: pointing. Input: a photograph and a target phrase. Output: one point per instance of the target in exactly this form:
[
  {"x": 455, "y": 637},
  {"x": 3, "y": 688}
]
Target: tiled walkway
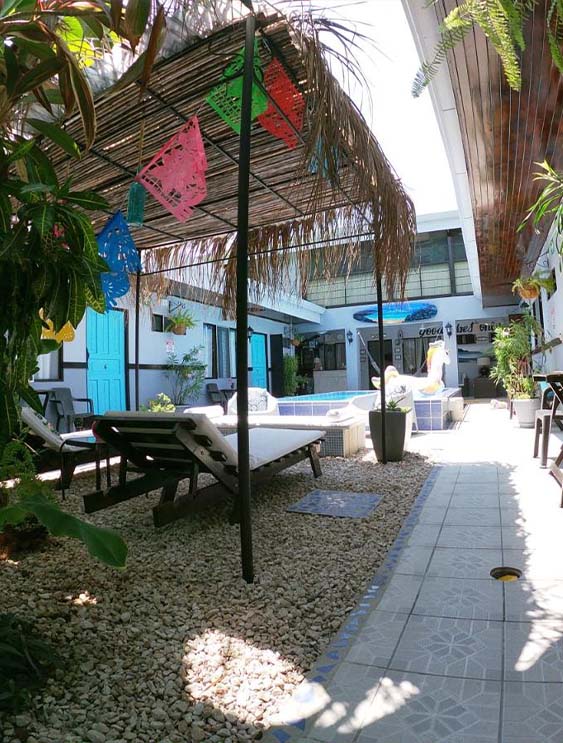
[{"x": 437, "y": 651}]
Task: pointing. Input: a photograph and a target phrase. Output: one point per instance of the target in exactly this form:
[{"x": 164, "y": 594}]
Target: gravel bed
[{"x": 177, "y": 647}]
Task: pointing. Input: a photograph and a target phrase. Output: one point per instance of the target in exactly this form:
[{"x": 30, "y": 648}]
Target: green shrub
[
  {"x": 26, "y": 661},
  {"x": 289, "y": 375},
  {"x": 159, "y": 404}
]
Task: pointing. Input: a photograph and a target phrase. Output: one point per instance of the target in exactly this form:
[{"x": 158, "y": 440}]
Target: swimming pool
[
  {"x": 327, "y": 396},
  {"x": 432, "y": 411}
]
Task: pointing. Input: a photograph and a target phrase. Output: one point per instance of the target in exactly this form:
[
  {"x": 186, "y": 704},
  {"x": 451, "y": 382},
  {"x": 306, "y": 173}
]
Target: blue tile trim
[{"x": 336, "y": 651}]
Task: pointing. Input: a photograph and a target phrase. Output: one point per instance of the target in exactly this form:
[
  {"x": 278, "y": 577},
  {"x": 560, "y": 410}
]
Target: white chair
[{"x": 260, "y": 402}]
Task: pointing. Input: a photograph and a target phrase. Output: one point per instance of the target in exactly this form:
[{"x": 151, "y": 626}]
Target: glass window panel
[
  {"x": 209, "y": 336},
  {"x": 462, "y": 278},
  {"x": 223, "y": 353},
  {"x": 49, "y": 367},
  {"x": 435, "y": 280}
]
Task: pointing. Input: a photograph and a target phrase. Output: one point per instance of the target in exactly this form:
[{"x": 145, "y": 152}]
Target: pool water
[{"x": 327, "y": 396}]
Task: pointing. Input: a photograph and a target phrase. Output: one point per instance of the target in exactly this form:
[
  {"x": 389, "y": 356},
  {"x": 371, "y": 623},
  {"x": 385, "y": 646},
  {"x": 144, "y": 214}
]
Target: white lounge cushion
[
  {"x": 303, "y": 422},
  {"x": 211, "y": 411},
  {"x": 266, "y": 445},
  {"x": 269, "y": 444}
]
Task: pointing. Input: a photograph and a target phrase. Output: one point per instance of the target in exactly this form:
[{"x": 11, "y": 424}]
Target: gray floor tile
[
  {"x": 431, "y": 514},
  {"x": 537, "y": 599},
  {"x": 464, "y": 563},
  {"x": 424, "y": 535},
  {"x": 532, "y": 713},
  {"x": 438, "y": 498},
  {"x": 400, "y": 593},
  {"x": 466, "y": 648},
  {"x": 466, "y": 599},
  {"x": 477, "y": 479},
  {"x": 478, "y": 537},
  {"x": 534, "y": 651},
  {"x": 414, "y": 560},
  {"x": 375, "y": 643},
  {"x": 516, "y": 537},
  {"x": 472, "y": 516},
  {"x": 412, "y": 708},
  {"x": 474, "y": 499},
  {"x": 348, "y": 695}
]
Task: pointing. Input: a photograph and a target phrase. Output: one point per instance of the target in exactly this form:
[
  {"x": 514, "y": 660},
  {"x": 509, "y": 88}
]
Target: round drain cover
[{"x": 506, "y": 574}]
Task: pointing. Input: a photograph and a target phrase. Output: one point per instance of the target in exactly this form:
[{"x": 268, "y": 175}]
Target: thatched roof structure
[{"x": 289, "y": 205}]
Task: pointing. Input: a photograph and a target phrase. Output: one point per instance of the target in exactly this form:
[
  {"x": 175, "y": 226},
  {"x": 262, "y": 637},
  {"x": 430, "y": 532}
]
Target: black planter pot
[{"x": 395, "y": 428}]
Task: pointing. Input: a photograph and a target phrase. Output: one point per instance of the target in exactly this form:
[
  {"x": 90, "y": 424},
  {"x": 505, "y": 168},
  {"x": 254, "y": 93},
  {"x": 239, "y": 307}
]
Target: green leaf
[
  {"x": 12, "y": 515},
  {"x": 103, "y": 544},
  {"x": 8, "y": 413},
  {"x": 38, "y": 75},
  {"x": 87, "y": 200},
  {"x": 48, "y": 346},
  {"x": 42, "y": 217},
  {"x": 76, "y": 300},
  {"x": 12, "y": 69},
  {"x": 95, "y": 299},
  {"x": 5, "y": 212},
  {"x": 43, "y": 165},
  {"x": 84, "y": 101},
  {"x": 137, "y": 15},
  {"x": 56, "y": 135},
  {"x": 22, "y": 148}
]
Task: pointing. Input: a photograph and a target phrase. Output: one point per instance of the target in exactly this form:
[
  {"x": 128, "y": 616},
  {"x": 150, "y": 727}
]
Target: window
[
  {"x": 226, "y": 352},
  {"x": 50, "y": 367},
  {"x": 210, "y": 345},
  {"x": 220, "y": 351},
  {"x": 157, "y": 323}
]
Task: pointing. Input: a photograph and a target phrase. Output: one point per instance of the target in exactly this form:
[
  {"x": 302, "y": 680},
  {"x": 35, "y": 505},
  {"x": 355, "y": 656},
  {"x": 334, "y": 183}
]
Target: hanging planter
[
  {"x": 288, "y": 99},
  {"x": 226, "y": 98},
  {"x": 529, "y": 288},
  {"x": 179, "y": 322},
  {"x": 176, "y": 174}
]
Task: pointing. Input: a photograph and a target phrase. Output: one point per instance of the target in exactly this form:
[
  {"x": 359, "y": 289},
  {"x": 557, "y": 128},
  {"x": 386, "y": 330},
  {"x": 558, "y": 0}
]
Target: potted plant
[
  {"x": 185, "y": 374},
  {"x": 529, "y": 287},
  {"x": 179, "y": 322},
  {"x": 512, "y": 346},
  {"x": 395, "y": 430}
]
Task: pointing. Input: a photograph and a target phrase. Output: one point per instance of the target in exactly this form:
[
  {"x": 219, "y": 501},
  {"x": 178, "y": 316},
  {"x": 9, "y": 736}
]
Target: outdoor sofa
[{"x": 167, "y": 448}]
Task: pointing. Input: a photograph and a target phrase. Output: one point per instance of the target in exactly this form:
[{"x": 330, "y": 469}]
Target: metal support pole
[
  {"x": 381, "y": 363},
  {"x": 137, "y": 314},
  {"x": 242, "y": 305}
]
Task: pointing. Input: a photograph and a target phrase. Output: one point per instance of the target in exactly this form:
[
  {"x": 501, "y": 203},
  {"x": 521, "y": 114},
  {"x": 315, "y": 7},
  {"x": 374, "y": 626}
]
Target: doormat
[{"x": 337, "y": 503}]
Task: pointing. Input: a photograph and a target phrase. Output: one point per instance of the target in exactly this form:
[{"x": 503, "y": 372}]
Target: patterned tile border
[{"x": 327, "y": 664}]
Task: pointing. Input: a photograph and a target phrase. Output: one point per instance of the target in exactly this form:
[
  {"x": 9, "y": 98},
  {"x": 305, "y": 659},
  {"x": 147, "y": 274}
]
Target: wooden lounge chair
[
  {"x": 168, "y": 448},
  {"x": 64, "y": 451}
]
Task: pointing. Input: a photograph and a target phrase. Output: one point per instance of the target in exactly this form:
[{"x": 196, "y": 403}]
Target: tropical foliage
[
  {"x": 512, "y": 347},
  {"x": 26, "y": 661},
  {"x": 27, "y": 500},
  {"x": 159, "y": 404},
  {"x": 549, "y": 202},
  {"x": 185, "y": 374},
  {"x": 502, "y": 22},
  {"x": 529, "y": 287},
  {"x": 49, "y": 259},
  {"x": 289, "y": 371}
]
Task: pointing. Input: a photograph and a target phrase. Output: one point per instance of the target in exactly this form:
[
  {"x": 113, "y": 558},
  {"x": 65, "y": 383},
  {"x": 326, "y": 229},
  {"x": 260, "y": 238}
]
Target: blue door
[
  {"x": 259, "y": 361},
  {"x": 105, "y": 345}
]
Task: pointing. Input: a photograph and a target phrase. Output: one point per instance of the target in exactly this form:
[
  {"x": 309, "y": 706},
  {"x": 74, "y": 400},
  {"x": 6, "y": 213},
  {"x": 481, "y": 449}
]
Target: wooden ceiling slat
[{"x": 504, "y": 134}]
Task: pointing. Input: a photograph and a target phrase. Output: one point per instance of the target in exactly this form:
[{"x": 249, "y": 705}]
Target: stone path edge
[{"x": 326, "y": 664}]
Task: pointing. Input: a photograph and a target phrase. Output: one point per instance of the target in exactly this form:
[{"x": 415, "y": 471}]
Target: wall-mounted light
[
  {"x": 449, "y": 329},
  {"x": 349, "y": 336},
  {"x": 250, "y": 332}
]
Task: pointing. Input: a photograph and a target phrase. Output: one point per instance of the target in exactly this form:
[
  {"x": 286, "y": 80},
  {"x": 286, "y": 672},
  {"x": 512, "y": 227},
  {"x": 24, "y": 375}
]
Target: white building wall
[{"x": 450, "y": 310}]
